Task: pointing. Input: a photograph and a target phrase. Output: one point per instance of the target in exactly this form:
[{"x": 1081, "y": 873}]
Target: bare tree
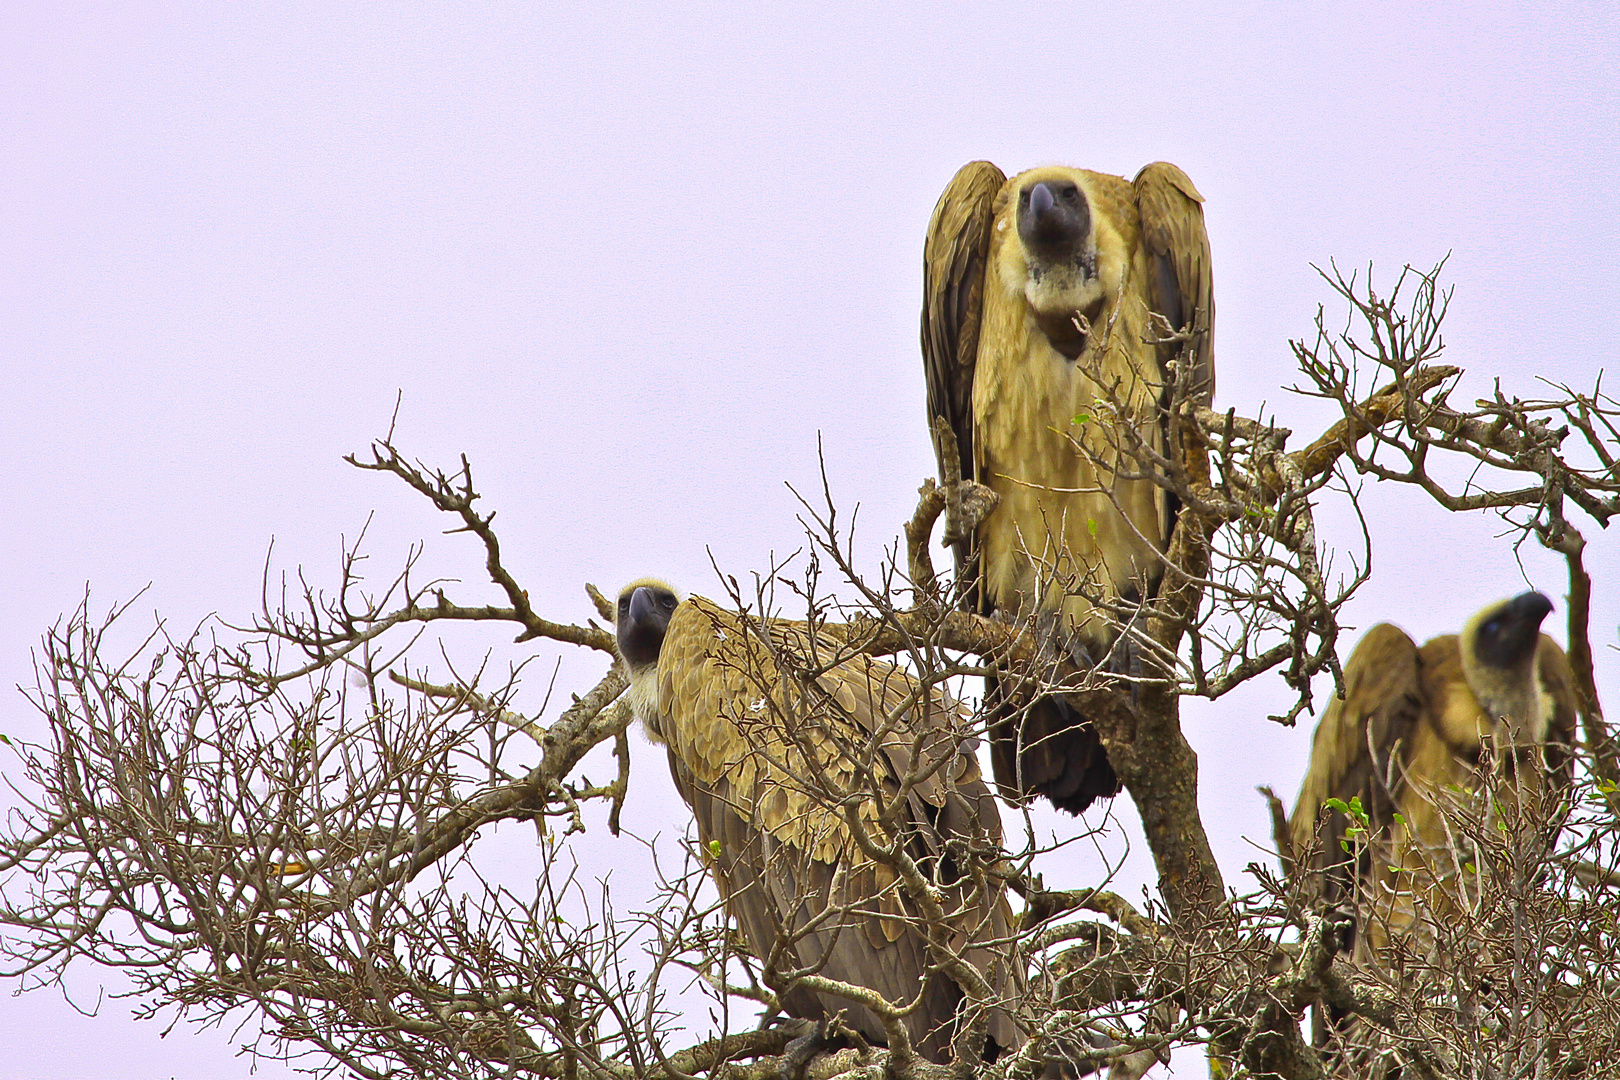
[{"x": 282, "y": 817}]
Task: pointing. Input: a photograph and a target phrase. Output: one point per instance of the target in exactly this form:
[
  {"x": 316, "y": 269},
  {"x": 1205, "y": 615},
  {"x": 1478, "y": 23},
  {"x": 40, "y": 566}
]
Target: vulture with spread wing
[
  {"x": 1045, "y": 357},
  {"x": 1411, "y": 731},
  {"x": 773, "y": 736}
]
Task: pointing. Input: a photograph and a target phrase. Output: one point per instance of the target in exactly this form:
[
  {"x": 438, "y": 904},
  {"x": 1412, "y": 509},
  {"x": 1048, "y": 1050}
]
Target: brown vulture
[
  {"x": 1043, "y": 356},
  {"x": 775, "y": 760},
  {"x": 1413, "y": 727}
]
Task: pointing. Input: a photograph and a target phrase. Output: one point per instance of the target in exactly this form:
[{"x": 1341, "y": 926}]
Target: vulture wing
[
  {"x": 954, "y": 257},
  {"x": 1177, "y": 247},
  {"x": 1355, "y": 740}
]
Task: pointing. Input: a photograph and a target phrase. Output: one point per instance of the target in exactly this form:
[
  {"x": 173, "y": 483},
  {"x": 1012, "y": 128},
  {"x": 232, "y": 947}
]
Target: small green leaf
[
  {"x": 714, "y": 849},
  {"x": 1091, "y": 526},
  {"x": 1082, "y": 418},
  {"x": 5, "y": 740},
  {"x": 1352, "y": 809}
]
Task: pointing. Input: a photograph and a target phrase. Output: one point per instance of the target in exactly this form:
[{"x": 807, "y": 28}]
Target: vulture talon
[
  {"x": 966, "y": 511},
  {"x": 798, "y": 1053}
]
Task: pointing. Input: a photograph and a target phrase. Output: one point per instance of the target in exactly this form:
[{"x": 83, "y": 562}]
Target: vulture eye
[{"x": 1493, "y": 626}]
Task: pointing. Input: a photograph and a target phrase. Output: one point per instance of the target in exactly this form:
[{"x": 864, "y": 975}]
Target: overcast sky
[{"x": 632, "y": 261}]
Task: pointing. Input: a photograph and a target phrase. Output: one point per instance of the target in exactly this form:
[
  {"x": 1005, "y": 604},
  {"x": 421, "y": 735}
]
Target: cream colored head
[{"x": 1059, "y": 253}]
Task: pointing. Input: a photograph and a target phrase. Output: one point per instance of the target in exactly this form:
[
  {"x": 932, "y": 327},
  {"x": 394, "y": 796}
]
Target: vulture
[
  {"x": 1045, "y": 358},
  {"x": 1412, "y": 728},
  {"x": 779, "y": 751}
]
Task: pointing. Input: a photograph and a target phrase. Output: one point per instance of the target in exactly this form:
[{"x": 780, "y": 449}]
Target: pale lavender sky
[{"x": 631, "y": 261}]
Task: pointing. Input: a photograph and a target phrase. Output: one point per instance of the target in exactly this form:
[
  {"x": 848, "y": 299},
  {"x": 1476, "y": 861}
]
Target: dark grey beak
[
  {"x": 642, "y": 607},
  {"x": 1040, "y": 200}
]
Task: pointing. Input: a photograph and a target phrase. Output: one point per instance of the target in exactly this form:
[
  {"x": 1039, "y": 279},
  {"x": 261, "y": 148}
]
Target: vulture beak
[
  {"x": 1040, "y": 200},
  {"x": 642, "y": 608},
  {"x": 1531, "y": 608}
]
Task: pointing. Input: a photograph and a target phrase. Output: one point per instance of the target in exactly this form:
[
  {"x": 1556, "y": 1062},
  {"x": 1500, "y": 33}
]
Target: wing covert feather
[
  {"x": 1181, "y": 279},
  {"x": 730, "y": 714}
]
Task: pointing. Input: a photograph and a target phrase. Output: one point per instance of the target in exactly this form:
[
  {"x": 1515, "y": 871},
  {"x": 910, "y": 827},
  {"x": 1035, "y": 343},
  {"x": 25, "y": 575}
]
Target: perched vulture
[
  {"x": 1412, "y": 728},
  {"x": 767, "y": 737},
  {"x": 1043, "y": 356}
]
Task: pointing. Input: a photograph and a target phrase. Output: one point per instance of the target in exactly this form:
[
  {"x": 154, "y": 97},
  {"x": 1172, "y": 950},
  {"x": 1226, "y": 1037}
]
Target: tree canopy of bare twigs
[{"x": 283, "y": 816}]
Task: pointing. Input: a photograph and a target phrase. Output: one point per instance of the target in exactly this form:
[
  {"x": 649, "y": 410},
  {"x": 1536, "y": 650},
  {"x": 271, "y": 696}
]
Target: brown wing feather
[
  {"x": 954, "y": 257},
  {"x": 761, "y": 759},
  {"x": 1182, "y": 288},
  {"x": 1350, "y": 754}
]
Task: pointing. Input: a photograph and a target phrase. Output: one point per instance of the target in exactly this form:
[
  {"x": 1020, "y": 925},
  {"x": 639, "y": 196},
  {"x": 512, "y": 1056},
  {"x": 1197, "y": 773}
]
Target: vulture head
[
  {"x": 1057, "y": 239},
  {"x": 1499, "y": 648},
  {"x": 641, "y": 618}
]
